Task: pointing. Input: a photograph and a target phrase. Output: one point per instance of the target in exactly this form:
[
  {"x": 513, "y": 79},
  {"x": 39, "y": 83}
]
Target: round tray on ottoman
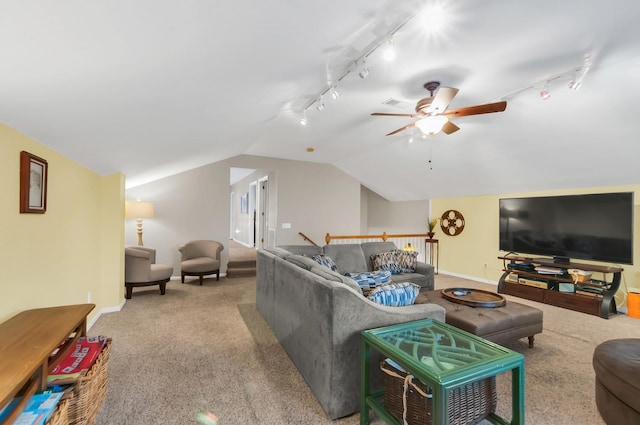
[{"x": 474, "y": 297}]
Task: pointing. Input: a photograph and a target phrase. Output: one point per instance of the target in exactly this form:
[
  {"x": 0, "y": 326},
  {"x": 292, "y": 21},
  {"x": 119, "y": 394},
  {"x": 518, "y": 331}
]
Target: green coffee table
[{"x": 454, "y": 358}]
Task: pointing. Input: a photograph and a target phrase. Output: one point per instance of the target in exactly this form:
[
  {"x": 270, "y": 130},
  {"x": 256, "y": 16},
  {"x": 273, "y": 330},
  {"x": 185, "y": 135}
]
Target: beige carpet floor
[{"x": 206, "y": 348}]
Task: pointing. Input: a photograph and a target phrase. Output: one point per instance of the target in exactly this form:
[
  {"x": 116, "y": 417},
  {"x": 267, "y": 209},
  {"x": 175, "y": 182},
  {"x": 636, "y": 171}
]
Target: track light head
[
  {"x": 544, "y": 94},
  {"x": 320, "y": 105},
  {"x": 364, "y": 72},
  {"x": 303, "y": 119},
  {"x": 335, "y": 94},
  {"x": 389, "y": 52}
]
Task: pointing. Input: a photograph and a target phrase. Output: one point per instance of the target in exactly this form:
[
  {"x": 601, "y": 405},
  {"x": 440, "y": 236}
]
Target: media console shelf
[
  {"x": 27, "y": 343},
  {"x": 602, "y": 304}
]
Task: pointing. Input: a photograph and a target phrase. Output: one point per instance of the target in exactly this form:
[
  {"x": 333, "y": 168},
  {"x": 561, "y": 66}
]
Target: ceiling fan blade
[
  {"x": 402, "y": 128},
  {"x": 444, "y": 96},
  {"x": 383, "y": 114},
  {"x": 449, "y": 128},
  {"x": 477, "y": 110}
]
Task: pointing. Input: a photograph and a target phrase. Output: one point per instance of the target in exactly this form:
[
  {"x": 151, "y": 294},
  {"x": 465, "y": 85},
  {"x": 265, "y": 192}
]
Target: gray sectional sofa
[{"x": 318, "y": 314}]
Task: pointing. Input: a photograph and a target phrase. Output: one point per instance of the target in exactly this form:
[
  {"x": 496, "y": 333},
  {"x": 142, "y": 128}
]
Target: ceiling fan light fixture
[{"x": 432, "y": 125}]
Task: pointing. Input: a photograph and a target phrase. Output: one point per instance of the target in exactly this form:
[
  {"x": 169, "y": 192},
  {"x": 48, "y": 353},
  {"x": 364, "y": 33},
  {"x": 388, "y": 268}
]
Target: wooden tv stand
[
  {"x": 27, "y": 341},
  {"x": 599, "y": 305}
]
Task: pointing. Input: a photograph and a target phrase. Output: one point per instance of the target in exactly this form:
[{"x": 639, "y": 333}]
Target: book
[
  {"x": 534, "y": 283},
  {"x": 37, "y": 411},
  {"x": 79, "y": 360}
]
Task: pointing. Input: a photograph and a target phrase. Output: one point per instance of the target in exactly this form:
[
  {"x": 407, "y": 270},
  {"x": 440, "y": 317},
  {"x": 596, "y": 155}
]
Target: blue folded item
[
  {"x": 371, "y": 279},
  {"x": 395, "y": 294}
]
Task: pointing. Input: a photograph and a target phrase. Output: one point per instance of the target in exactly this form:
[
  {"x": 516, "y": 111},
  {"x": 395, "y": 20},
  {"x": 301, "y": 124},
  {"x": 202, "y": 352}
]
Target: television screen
[{"x": 596, "y": 227}]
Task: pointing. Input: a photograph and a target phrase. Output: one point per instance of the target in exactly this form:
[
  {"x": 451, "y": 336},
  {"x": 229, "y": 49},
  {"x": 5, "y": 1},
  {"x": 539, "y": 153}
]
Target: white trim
[
  {"x": 105, "y": 310},
  {"x": 463, "y": 276}
]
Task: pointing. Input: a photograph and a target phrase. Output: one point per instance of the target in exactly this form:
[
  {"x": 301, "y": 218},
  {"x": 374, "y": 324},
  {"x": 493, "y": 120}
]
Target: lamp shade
[
  {"x": 432, "y": 125},
  {"x": 138, "y": 209}
]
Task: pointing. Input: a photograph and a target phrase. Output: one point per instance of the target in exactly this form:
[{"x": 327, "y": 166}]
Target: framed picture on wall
[
  {"x": 33, "y": 183},
  {"x": 244, "y": 206}
]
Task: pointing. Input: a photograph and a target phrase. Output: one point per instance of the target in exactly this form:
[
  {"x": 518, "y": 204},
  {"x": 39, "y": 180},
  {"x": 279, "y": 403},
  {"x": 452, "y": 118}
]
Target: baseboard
[
  {"x": 105, "y": 310},
  {"x": 464, "y": 276}
]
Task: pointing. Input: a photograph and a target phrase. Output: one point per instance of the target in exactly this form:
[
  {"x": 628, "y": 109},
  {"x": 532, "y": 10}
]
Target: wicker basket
[
  {"x": 88, "y": 393},
  {"x": 61, "y": 414},
  {"x": 467, "y": 405}
]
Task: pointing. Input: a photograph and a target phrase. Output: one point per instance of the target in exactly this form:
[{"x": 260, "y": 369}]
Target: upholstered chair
[
  {"x": 140, "y": 269},
  {"x": 200, "y": 258}
]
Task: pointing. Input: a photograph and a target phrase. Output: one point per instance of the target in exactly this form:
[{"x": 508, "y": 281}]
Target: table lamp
[{"x": 138, "y": 210}]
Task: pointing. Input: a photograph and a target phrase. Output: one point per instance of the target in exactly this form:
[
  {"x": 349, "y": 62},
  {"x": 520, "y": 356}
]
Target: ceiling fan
[{"x": 433, "y": 113}]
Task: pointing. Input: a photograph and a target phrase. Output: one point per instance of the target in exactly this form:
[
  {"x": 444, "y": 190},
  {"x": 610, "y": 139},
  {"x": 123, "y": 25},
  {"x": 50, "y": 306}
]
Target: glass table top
[{"x": 441, "y": 347}]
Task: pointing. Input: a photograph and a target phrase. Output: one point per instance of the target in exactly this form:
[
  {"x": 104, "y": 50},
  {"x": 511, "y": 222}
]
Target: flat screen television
[{"x": 596, "y": 227}]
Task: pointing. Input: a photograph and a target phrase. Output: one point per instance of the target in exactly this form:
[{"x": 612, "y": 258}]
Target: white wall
[
  {"x": 314, "y": 198},
  {"x": 395, "y": 217}
]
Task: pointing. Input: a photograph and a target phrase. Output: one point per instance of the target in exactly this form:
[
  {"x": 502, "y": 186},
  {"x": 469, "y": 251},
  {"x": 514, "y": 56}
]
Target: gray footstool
[
  {"x": 499, "y": 324},
  {"x": 617, "y": 366}
]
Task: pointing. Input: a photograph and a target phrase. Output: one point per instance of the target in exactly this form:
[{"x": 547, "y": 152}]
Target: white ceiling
[{"x": 154, "y": 87}]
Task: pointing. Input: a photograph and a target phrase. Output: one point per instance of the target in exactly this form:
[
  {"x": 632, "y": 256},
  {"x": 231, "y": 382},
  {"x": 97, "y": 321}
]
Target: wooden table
[
  {"x": 433, "y": 246},
  {"x": 27, "y": 341}
]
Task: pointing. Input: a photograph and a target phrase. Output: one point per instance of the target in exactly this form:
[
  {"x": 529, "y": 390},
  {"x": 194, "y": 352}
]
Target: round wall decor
[{"x": 452, "y": 222}]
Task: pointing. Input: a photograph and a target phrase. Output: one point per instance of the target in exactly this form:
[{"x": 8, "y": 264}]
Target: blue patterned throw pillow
[
  {"x": 395, "y": 294},
  {"x": 323, "y": 260}
]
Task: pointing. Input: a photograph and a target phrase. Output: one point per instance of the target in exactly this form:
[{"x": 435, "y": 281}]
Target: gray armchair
[
  {"x": 140, "y": 269},
  {"x": 200, "y": 258}
]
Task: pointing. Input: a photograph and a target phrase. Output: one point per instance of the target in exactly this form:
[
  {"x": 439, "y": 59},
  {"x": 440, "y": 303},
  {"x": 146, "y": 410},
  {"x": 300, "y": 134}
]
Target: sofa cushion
[
  {"x": 386, "y": 261},
  {"x": 306, "y": 250},
  {"x": 417, "y": 278},
  {"x": 335, "y": 277},
  {"x": 301, "y": 261},
  {"x": 348, "y": 257},
  {"x": 325, "y": 260},
  {"x": 278, "y": 251},
  {"x": 407, "y": 260},
  {"x": 395, "y": 294}
]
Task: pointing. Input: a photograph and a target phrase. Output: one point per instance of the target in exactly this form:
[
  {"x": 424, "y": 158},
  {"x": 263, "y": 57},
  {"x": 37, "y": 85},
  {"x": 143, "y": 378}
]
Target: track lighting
[
  {"x": 576, "y": 83},
  {"x": 320, "y": 104},
  {"x": 303, "y": 118},
  {"x": 544, "y": 94},
  {"x": 335, "y": 94},
  {"x": 364, "y": 71},
  {"x": 389, "y": 52}
]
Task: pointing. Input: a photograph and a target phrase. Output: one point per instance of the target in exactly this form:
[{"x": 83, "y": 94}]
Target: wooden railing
[
  {"x": 306, "y": 238},
  {"x": 411, "y": 241}
]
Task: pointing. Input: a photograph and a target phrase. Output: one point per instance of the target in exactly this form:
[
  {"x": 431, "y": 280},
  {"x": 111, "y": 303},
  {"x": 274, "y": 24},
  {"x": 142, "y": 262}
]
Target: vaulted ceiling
[{"x": 151, "y": 88}]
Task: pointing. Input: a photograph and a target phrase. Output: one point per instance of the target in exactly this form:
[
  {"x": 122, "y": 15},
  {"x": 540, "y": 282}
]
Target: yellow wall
[
  {"x": 74, "y": 249},
  {"x": 473, "y": 253}
]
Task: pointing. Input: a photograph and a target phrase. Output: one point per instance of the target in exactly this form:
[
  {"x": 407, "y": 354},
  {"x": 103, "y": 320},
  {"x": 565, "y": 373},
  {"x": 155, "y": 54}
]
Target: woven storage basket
[
  {"x": 88, "y": 393},
  {"x": 467, "y": 405},
  {"x": 61, "y": 414}
]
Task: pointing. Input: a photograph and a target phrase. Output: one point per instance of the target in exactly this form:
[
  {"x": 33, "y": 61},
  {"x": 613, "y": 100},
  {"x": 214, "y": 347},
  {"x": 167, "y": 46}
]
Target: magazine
[{"x": 78, "y": 360}]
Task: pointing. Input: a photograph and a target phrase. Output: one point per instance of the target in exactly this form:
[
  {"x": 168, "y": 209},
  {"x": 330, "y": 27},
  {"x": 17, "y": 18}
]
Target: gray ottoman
[
  {"x": 617, "y": 366},
  {"x": 499, "y": 324}
]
